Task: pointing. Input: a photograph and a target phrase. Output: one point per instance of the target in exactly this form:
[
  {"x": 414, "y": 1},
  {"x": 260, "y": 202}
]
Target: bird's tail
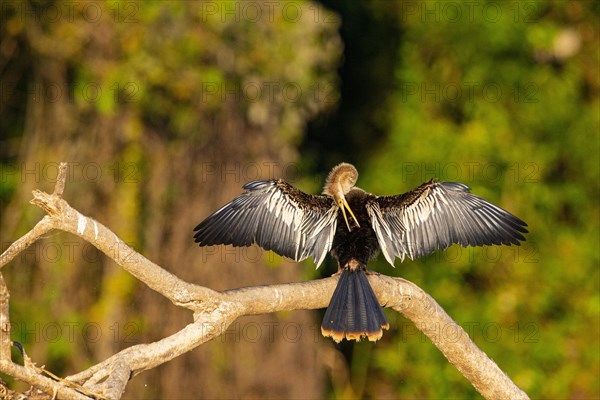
[{"x": 354, "y": 310}]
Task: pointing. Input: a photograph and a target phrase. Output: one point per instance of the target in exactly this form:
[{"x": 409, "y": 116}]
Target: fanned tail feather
[{"x": 354, "y": 310}]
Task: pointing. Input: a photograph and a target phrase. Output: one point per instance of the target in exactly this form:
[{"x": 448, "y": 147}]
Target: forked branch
[{"x": 214, "y": 311}]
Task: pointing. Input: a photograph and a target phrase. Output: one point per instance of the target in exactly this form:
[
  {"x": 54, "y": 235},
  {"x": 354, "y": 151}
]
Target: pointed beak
[{"x": 343, "y": 204}]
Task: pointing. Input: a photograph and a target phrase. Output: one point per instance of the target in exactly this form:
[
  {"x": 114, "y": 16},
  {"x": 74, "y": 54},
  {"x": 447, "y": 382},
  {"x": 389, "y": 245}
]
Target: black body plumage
[
  {"x": 277, "y": 216},
  {"x": 354, "y": 310},
  {"x": 359, "y": 243}
]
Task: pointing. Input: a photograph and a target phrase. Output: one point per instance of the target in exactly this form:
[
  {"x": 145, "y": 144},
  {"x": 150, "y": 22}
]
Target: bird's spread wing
[
  {"x": 437, "y": 215},
  {"x": 276, "y": 216}
]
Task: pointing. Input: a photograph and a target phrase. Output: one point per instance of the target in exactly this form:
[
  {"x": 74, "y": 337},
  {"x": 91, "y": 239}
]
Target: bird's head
[{"x": 340, "y": 181}]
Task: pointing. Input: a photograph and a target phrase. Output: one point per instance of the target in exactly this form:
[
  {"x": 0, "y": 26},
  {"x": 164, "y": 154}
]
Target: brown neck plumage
[{"x": 340, "y": 181}]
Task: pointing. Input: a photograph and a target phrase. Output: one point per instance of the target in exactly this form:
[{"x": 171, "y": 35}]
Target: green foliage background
[{"x": 502, "y": 96}]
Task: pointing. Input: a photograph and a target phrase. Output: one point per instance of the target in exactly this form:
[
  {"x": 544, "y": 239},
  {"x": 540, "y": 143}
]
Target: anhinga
[{"x": 277, "y": 216}]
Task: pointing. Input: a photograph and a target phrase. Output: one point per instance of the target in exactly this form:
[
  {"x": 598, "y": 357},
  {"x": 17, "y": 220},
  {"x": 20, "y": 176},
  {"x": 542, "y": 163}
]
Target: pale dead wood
[
  {"x": 40, "y": 229},
  {"x": 49, "y": 386},
  {"x": 215, "y": 311},
  {"x": 418, "y": 306},
  {"x": 5, "y": 342}
]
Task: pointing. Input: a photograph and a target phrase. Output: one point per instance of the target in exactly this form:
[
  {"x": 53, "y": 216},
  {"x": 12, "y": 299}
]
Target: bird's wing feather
[
  {"x": 436, "y": 215},
  {"x": 276, "y": 216}
]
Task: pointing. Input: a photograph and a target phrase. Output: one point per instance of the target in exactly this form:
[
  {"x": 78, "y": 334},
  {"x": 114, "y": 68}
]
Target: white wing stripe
[
  {"x": 269, "y": 214},
  {"x": 436, "y": 215}
]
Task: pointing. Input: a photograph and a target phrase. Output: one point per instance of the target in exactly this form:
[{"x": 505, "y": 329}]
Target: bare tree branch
[
  {"x": 5, "y": 342},
  {"x": 40, "y": 229},
  {"x": 418, "y": 306},
  {"x": 215, "y": 311},
  {"x": 61, "y": 179},
  {"x": 66, "y": 218},
  {"x": 47, "y": 385}
]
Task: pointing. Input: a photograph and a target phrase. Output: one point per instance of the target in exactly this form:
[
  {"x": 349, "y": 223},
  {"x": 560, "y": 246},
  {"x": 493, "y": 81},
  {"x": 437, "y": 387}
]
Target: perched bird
[{"x": 354, "y": 225}]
